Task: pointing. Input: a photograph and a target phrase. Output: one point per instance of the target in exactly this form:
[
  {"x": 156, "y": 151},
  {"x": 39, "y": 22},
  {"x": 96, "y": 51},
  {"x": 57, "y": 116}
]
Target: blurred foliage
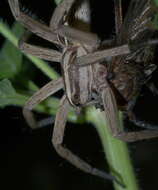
[{"x": 10, "y": 57}]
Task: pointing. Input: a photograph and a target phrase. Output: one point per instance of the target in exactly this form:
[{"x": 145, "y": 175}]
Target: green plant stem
[
  {"x": 116, "y": 152},
  {"x": 42, "y": 65}
]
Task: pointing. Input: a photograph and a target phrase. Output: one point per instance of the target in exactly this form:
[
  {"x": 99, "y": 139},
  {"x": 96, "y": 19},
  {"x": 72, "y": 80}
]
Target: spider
[
  {"x": 85, "y": 79},
  {"x": 81, "y": 83}
]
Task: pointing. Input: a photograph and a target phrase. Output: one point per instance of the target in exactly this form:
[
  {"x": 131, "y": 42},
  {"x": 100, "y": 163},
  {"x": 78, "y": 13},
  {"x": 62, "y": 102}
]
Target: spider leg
[
  {"x": 152, "y": 88},
  {"x": 76, "y": 35},
  {"x": 136, "y": 121},
  {"x": 137, "y": 136},
  {"x": 61, "y": 10},
  {"x": 32, "y": 25},
  {"x": 118, "y": 22},
  {"x": 144, "y": 124},
  {"x": 118, "y": 15},
  {"x": 41, "y": 52},
  {"x": 39, "y": 96},
  {"x": 57, "y": 140},
  {"x": 57, "y": 26},
  {"x": 111, "y": 115},
  {"x": 100, "y": 55}
]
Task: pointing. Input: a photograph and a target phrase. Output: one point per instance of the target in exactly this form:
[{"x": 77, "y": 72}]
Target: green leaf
[
  {"x": 6, "y": 92},
  {"x": 10, "y": 56},
  {"x": 9, "y": 96},
  {"x": 6, "y": 88}
]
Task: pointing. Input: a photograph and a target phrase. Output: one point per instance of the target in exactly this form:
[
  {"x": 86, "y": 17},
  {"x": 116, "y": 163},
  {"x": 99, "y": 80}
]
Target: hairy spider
[
  {"x": 83, "y": 85},
  {"x": 85, "y": 79}
]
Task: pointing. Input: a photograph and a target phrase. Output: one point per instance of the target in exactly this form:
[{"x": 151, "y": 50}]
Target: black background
[{"x": 28, "y": 159}]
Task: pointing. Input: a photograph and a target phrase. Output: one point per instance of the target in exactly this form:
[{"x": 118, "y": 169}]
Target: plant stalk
[{"x": 116, "y": 152}]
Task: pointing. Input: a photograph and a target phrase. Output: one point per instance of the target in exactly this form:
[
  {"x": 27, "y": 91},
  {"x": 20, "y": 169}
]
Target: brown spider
[
  {"x": 84, "y": 77},
  {"x": 83, "y": 85}
]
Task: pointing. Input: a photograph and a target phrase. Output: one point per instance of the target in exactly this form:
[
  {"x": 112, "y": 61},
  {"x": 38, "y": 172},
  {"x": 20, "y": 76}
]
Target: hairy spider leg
[
  {"x": 32, "y": 25},
  {"x": 56, "y": 25},
  {"x": 39, "y": 96},
  {"x": 111, "y": 114},
  {"x": 57, "y": 140},
  {"x": 38, "y": 51}
]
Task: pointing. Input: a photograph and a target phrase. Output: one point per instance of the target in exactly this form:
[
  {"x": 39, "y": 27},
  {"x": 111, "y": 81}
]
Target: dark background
[{"x": 28, "y": 159}]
